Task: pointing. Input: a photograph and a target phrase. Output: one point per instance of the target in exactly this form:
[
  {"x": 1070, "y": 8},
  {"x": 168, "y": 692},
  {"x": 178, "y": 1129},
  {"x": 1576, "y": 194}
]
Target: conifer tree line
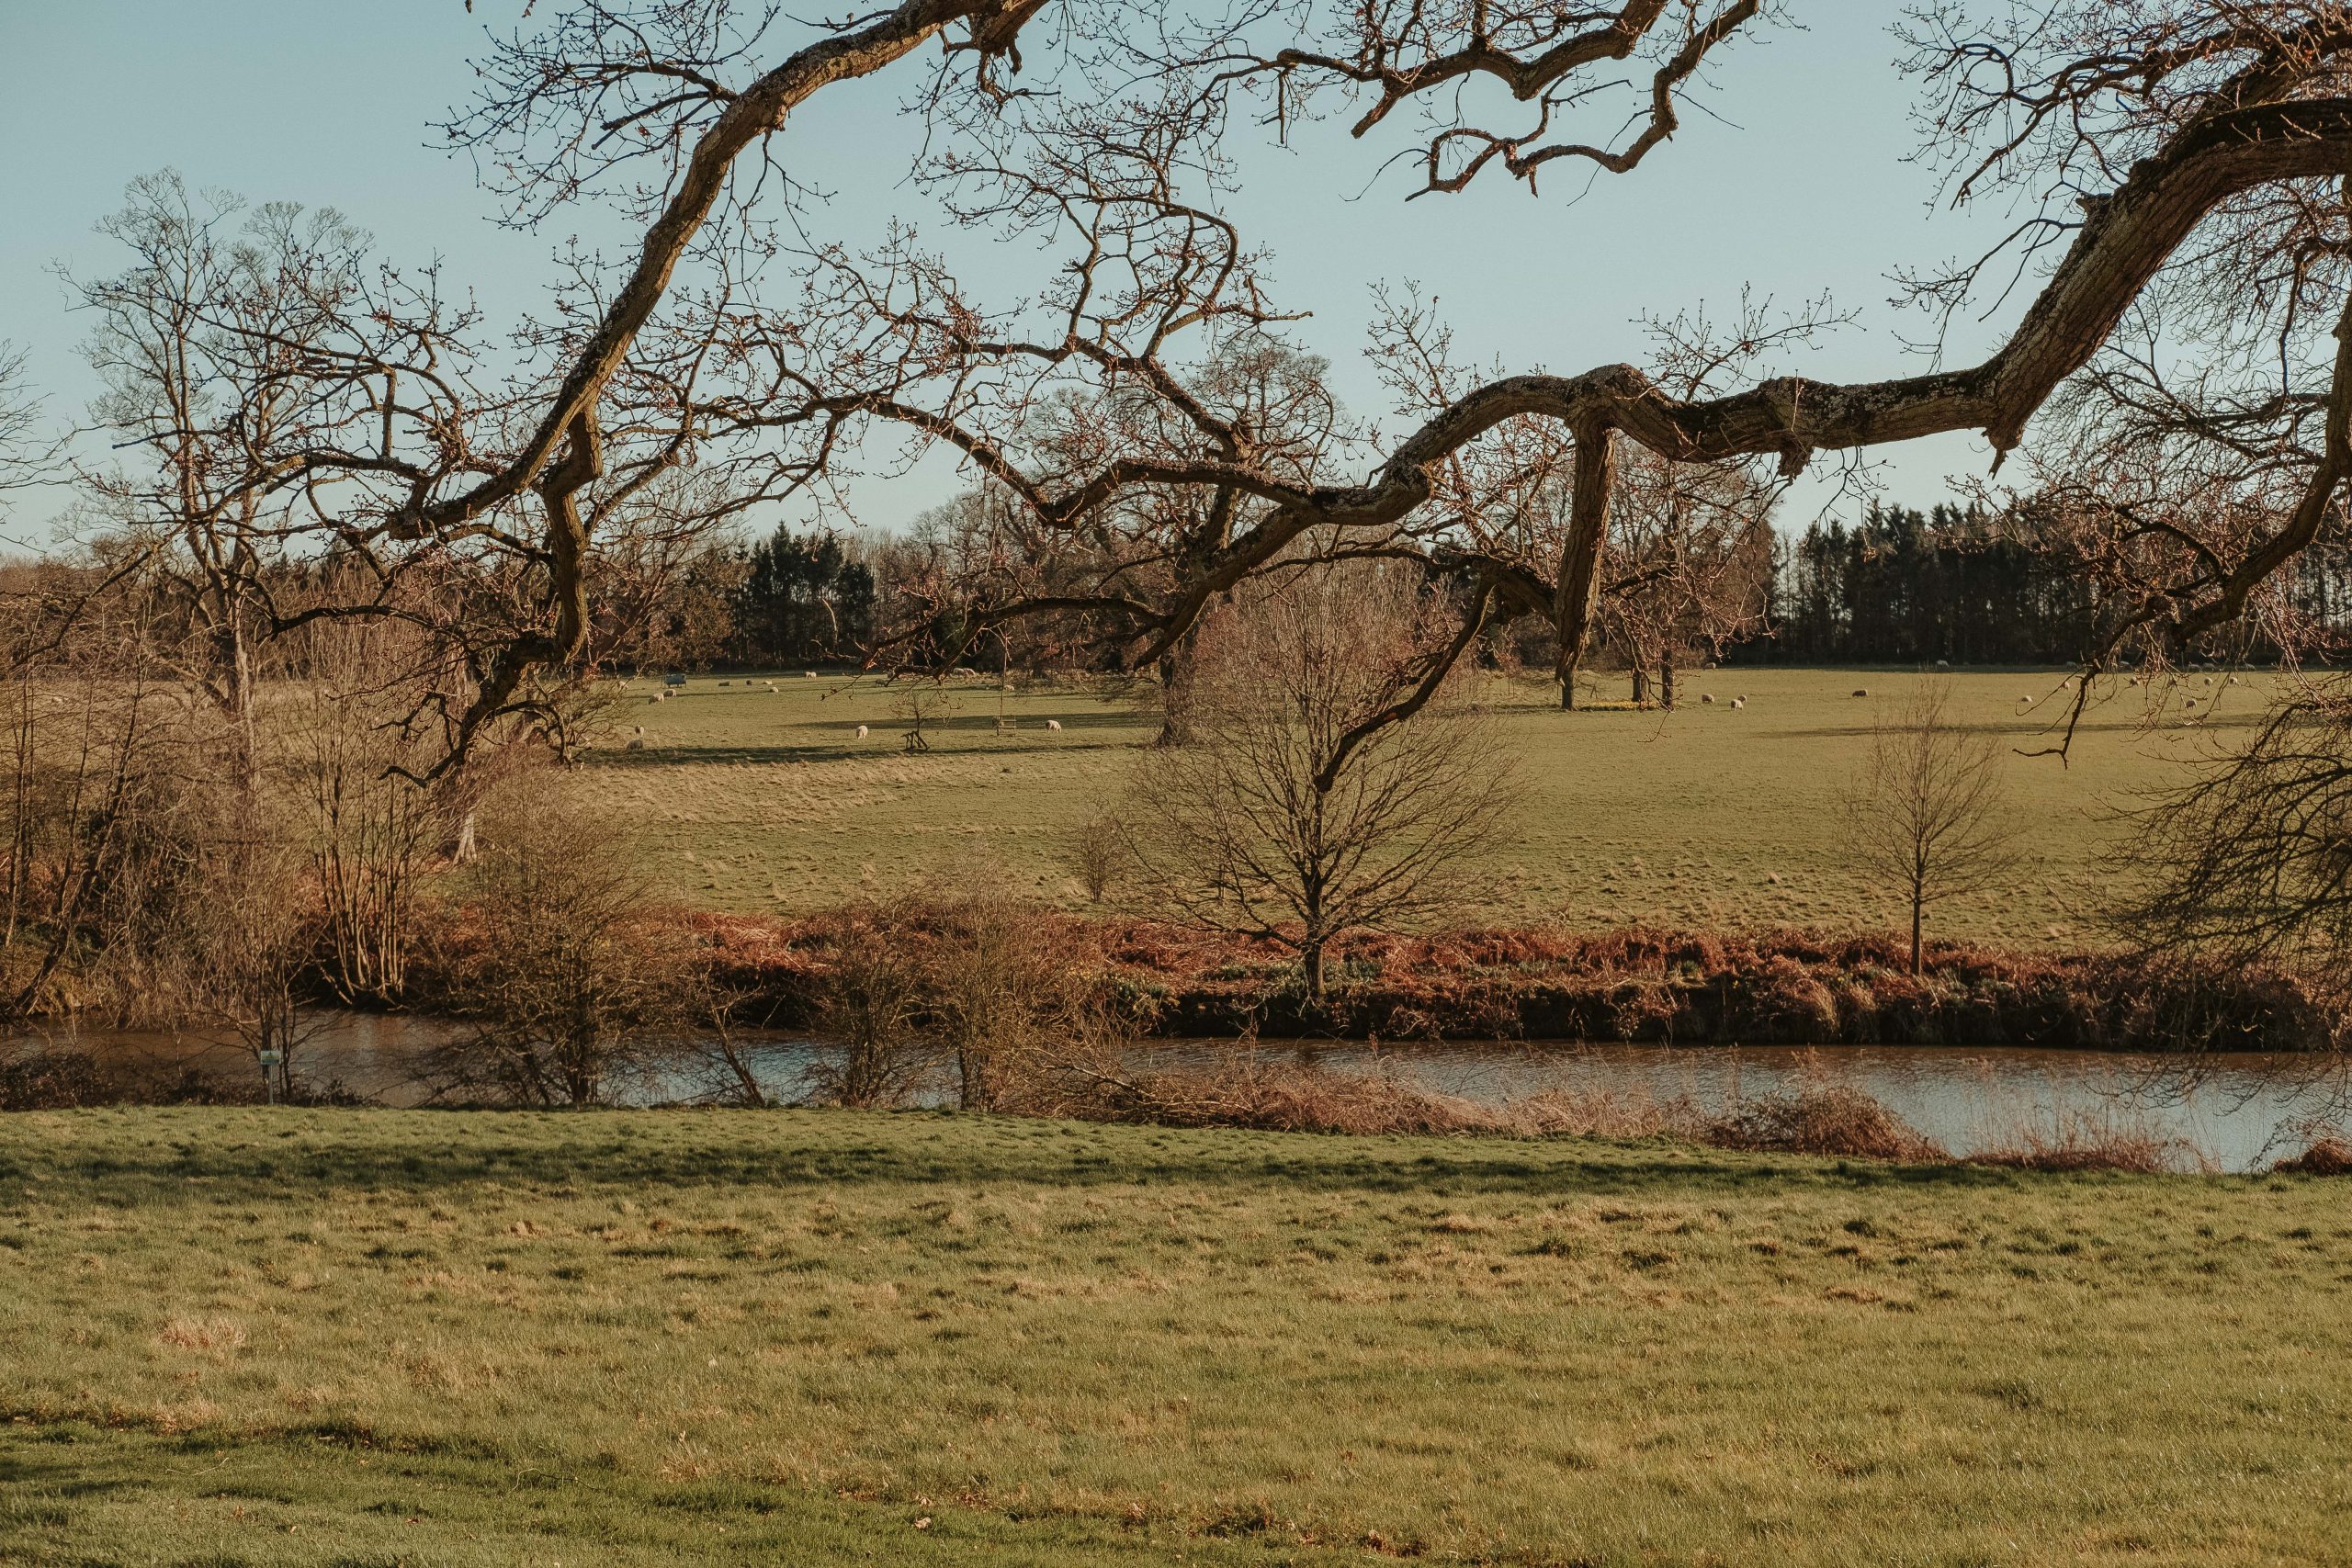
[{"x": 1959, "y": 584}]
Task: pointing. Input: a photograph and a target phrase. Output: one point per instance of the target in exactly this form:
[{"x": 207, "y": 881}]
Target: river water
[{"x": 2230, "y": 1112}]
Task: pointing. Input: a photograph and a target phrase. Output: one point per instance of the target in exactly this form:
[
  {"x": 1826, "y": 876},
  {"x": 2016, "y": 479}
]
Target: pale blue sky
[{"x": 1793, "y": 178}]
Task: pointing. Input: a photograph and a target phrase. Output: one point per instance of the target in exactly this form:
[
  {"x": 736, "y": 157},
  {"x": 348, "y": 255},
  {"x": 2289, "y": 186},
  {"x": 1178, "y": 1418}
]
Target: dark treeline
[
  {"x": 802, "y": 597},
  {"x": 1961, "y": 584},
  {"x": 791, "y": 598}
]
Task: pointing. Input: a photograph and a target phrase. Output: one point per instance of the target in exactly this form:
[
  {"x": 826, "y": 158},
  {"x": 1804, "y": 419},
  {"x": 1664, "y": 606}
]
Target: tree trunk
[
  {"x": 1568, "y": 682},
  {"x": 1665, "y": 683},
  {"x": 1310, "y": 958},
  {"x": 1917, "y": 911},
  {"x": 1641, "y": 686}
]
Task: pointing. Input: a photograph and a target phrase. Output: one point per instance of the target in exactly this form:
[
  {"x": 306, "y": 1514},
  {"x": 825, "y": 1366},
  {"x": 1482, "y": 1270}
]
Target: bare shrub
[
  {"x": 996, "y": 986},
  {"x": 1096, "y": 853},
  {"x": 2328, "y": 1153},
  {"x": 49, "y": 1079},
  {"x": 1820, "y": 1119},
  {"x": 1925, "y": 817},
  {"x": 872, "y": 1006},
  {"x": 250, "y": 932},
  {"x": 573, "y": 981},
  {"x": 924, "y": 706},
  {"x": 355, "y": 760}
]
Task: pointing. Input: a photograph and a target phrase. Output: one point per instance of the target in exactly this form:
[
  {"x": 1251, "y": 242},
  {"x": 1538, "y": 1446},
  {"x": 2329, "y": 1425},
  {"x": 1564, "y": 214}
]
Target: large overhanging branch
[
  {"x": 758, "y": 111},
  {"x": 2128, "y": 237}
]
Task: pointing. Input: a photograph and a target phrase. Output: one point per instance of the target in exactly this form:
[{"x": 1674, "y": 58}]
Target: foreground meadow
[
  {"x": 238, "y": 1336},
  {"x": 762, "y": 800}
]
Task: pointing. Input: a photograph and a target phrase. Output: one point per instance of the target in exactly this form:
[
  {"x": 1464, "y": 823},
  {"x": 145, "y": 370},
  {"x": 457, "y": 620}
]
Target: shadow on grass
[
  {"x": 422, "y": 1151},
  {"x": 73, "y": 1492}
]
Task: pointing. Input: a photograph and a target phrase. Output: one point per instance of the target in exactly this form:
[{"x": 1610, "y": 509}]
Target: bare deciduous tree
[
  {"x": 2251, "y": 863},
  {"x": 1924, "y": 818},
  {"x": 24, "y": 456},
  {"x": 1334, "y": 775}
]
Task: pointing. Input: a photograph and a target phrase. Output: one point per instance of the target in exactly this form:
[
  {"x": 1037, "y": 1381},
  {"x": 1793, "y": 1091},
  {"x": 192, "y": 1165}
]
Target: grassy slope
[
  {"x": 242, "y": 1336},
  {"x": 762, "y": 801}
]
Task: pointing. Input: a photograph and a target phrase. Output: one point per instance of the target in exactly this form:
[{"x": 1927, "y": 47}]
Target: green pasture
[
  {"x": 757, "y": 799},
  {"x": 809, "y": 1337}
]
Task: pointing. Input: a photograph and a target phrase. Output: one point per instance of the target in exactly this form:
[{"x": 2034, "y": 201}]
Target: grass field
[
  {"x": 759, "y": 800},
  {"x": 243, "y": 1338}
]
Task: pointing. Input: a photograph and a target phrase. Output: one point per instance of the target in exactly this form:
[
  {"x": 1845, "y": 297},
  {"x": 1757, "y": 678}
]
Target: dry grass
[
  {"x": 2107, "y": 1140},
  {"x": 2327, "y": 1155},
  {"x": 1821, "y": 1119}
]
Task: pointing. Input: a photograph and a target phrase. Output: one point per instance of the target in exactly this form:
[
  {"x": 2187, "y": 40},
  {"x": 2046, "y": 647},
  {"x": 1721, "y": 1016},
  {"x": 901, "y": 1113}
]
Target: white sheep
[
  {"x": 861, "y": 732},
  {"x": 1861, "y": 691},
  {"x": 1706, "y": 696},
  {"x": 640, "y": 729},
  {"x": 1054, "y": 724},
  {"x": 1739, "y": 702}
]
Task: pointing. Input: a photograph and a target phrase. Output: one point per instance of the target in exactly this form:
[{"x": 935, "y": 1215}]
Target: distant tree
[
  {"x": 923, "y": 704},
  {"x": 24, "y": 457},
  {"x": 1332, "y": 775},
  {"x": 1924, "y": 819},
  {"x": 1687, "y": 566},
  {"x": 803, "y": 598}
]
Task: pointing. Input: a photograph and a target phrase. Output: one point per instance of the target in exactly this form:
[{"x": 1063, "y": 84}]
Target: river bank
[{"x": 1638, "y": 986}]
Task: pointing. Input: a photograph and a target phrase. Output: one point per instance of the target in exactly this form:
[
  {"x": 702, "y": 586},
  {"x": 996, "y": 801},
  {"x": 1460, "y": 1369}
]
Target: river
[{"x": 2232, "y": 1112}]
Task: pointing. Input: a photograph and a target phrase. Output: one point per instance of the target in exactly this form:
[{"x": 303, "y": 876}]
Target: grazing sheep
[
  {"x": 636, "y": 746},
  {"x": 861, "y": 732},
  {"x": 1054, "y": 724},
  {"x": 640, "y": 730},
  {"x": 2235, "y": 682},
  {"x": 726, "y": 682},
  {"x": 1943, "y": 663},
  {"x": 2188, "y": 702},
  {"x": 2208, "y": 680},
  {"x": 1861, "y": 691},
  {"x": 1706, "y": 696},
  {"x": 809, "y": 674},
  {"x": 1739, "y": 702}
]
